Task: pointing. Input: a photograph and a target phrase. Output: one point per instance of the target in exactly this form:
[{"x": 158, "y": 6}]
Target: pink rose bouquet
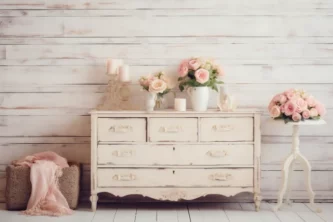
[
  {"x": 295, "y": 105},
  {"x": 159, "y": 84},
  {"x": 196, "y": 72}
]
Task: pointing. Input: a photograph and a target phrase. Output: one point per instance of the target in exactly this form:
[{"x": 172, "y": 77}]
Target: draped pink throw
[{"x": 46, "y": 198}]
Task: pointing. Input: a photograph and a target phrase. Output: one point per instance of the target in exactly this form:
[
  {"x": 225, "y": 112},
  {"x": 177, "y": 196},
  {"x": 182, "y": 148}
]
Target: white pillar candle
[
  {"x": 112, "y": 66},
  {"x": 180, "y": 104},
  {"x": 124, "y": 75}
]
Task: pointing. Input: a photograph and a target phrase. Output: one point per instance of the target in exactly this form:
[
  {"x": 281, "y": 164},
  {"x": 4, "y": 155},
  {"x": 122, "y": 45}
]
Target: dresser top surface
[{"x": 171, "y": 111}]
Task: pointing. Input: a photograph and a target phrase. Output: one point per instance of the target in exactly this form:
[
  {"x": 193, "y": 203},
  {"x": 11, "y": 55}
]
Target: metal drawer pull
[
  {"x": 121, "y": 129},
  {"x": 124, "y": 177},
  {"x": 222, "y": 128},
  {"x": 123, "y": 153},
  {"x": 171, "y": 129},
  {"x": 220, "y": 176},
  {"x": 217, "y": 153}
]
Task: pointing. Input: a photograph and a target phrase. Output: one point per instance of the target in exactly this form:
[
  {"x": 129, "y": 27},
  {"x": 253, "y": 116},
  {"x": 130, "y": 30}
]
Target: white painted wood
[
  {"x": 146, "y": 214},
  {"x": 175, "y": 177},
  {"x": 121, "y": 129},
  {"x": 175, "y": 155},
  {"x": 226, "y": 129},
  {"x": 207, "y": 213},
  {"x": 173, "y": 129}
]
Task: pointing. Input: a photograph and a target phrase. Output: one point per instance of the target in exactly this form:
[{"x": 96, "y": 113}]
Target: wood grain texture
[{"x": 52, "y": 63}]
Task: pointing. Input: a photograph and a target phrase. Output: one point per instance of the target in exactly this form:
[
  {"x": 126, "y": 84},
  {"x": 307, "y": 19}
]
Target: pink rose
[
  {"x": 201, "y": 75},
  {"x": 280, "y": 98},
  {"x": 306, "y": 114},
  {"x": 296, "y": 117},
  {"x": 183, "y": 68},
  {"x": 290, "y": 94},
  {"x": 194, "y": 64},
  {"x": 301, "y": 104},
  {"x": 289, "y": 108},
  {"x": 282, "y": 109},
  {"x": 311, "y": 101},
  {"x": 321, "y": 109},
  {"x": 313, "y": 112},
  {"x": 275, "y": 112}
]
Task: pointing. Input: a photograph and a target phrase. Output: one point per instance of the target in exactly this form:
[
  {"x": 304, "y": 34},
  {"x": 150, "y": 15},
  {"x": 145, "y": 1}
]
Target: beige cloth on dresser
[{"x": 46, "y": 198}]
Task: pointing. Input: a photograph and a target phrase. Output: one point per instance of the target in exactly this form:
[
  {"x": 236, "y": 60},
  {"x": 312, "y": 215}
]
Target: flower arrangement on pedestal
[
  {"x": 158, "y": 86},
  {"x": 198, "y": 75},
  {"x": 295, "y": 105}
]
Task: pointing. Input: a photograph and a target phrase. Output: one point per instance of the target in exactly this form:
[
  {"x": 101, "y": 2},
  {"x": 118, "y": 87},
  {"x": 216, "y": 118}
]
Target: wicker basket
[{"x": 18, "y": 187}]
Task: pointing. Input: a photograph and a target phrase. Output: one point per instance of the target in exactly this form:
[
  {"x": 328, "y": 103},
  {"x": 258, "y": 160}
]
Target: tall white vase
[{"x": 199, "y": 98}]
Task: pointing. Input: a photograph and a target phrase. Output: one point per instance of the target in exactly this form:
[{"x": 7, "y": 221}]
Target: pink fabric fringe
[{"x": 46, "y": 198}]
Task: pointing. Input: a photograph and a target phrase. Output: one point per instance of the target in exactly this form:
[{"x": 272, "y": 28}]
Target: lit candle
[
  {"x": 124, "y": 75},
  {"x": 112, "y": 66},
  {"x": 180, "y": 104}
]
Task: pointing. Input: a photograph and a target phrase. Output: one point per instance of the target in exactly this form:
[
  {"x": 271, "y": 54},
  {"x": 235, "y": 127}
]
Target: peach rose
[
  {"x": 289, "y": 108},
  {"x": 311, "y": 101},
  {"x": 313, "y": 112},
  {"x": 271, "y": 104},
  {"x": 296, "y": 117},
  {"x": 201, "y": 75},
  {"x": 321, "y": 109},
  {"x": 306, "y": 114},
  {"x": 220, "y": 71},
  {"x": 194, "y": 64},
  {"x": 157, "y": 86},
  {"x": 275, "y": 112},
  {"x": 183, "y": 68}
]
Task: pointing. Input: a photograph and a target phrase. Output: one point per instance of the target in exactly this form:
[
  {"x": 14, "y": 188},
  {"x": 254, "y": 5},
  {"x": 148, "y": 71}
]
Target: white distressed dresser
[{"x": 169, "y": 155}]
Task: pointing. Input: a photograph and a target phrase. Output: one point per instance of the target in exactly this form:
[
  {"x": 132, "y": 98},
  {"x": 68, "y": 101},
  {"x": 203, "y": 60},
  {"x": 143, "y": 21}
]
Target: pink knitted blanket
[{"x": 46, "y": 198}]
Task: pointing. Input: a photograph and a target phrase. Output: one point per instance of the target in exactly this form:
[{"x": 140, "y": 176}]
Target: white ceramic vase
[
  {"x": 199, "y": 98},
  {"x": 150, "y": 101}
]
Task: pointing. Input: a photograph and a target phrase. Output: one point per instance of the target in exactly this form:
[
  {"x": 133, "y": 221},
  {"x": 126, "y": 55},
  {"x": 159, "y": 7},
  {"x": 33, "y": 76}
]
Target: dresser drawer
[
  {"x": 208, "y": 155},
  {"x": 122, "y": 129},
  {"x": 175, "y": 177},
  {"x": 226, "y": 129},
  {"x": 173, "y": 129}
]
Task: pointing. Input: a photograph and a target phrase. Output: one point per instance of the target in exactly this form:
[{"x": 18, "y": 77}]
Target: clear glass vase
[{"x": 160, "y": 103}]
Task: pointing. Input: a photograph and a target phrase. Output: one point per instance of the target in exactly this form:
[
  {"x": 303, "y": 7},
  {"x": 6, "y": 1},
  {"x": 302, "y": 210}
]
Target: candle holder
[{"x": 116, "y": 95}]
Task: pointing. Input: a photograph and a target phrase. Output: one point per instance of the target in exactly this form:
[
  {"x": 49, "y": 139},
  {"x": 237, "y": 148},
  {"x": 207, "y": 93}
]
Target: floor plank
[
  {"x": 125, "y": 213},
  {"x": 207, "y": 213},
  {"x": 305, "y": 213},
  {"x": 327, "y": 211},
  {"x": 286, "y": 214},
  {"x": 105, "y": 213},
  {"x": 146, "y": 214},
  {"x": 173, "y": 213}
]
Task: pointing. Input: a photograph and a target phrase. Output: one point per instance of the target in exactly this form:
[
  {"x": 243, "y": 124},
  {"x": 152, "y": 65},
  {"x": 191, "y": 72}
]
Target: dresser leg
[
  {"x": 93, "y": 199},
  {"x": 257, "y": 201}
]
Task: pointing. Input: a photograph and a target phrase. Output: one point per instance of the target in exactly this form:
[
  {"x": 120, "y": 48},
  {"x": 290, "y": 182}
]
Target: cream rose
[
  {"x": 314, "y": 112},
  {"x": 201, "y": 75},
  {"x": 296, "y": 117},
  {"x": 157, "y": 86},
  {"x": 275, "y": 112}
]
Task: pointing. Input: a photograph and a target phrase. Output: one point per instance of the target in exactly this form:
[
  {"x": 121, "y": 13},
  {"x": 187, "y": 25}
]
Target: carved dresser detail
[{"x": 169, "y": 155}]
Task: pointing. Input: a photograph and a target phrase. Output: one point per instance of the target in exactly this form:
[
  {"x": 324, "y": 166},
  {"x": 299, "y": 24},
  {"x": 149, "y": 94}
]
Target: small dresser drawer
[
  {"x": 173, "y": 129},
  {"x": 175, "y": 177},
  {"x": 226, "y": 129},
  {"x": 186, "y": 155},
  {"x": 122, "y": 129}
]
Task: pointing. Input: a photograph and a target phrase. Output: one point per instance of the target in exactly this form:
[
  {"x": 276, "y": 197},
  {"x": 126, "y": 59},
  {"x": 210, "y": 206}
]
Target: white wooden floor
[{"x": 198, "y": 212}]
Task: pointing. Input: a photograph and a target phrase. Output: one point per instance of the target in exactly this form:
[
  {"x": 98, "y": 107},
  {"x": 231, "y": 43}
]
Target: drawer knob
[
  {"x": 220, "y": 176},
  {"x": 123, "y": 153},
  {"x": 171, "y": 129},
  {"x": 124, "y": 177},
  {"x": 121, "y": 129},
  {"x": 222, "y": 128},
  {"x": 217, "y": 153}
]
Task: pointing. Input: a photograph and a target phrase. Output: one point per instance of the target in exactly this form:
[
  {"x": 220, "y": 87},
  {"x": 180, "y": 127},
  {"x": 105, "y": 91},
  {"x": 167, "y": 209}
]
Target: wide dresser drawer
[
  {"x": 226, "y": 129},
  {"x": 175, "y": 154},
  {"x": 122, "y": 129},
  {"x": 174, "y": 177},
  {"x": 173, "y": 129}
]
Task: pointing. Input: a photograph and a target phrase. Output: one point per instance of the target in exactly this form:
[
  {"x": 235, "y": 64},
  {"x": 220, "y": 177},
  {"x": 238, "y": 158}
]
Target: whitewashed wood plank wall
[{"x": 52, "y": 55}]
